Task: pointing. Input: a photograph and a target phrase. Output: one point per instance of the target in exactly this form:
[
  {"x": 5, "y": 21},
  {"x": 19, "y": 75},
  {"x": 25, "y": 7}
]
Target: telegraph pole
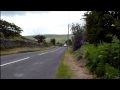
[
  {"x": 68, "y": 37},
  {"x": 0, "y": 15},
  {"x": 68, "y": 31}
]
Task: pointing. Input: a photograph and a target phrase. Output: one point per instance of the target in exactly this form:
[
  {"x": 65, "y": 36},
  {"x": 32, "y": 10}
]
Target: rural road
[{"x": 31, "y": 65}]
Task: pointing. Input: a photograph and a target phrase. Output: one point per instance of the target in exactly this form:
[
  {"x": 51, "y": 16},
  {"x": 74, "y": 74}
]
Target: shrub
[
  {"x": 100, "y": 69},
  {"x": 97, "y": 57},
  {"x": 111, "y": 72}
]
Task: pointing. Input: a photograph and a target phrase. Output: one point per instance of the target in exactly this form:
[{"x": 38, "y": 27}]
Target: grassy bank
[
  {"x": 64, "y": 71},
  {"x": 23, "y": 49}
]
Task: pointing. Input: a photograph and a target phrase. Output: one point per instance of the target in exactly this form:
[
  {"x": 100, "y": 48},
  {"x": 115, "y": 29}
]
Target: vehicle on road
[{"x": 65, "y": 45}]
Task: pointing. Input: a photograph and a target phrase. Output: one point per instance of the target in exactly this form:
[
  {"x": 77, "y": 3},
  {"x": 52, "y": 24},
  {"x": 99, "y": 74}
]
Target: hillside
[
  {"x": 59, "y": 38},
  {"x": 22, "y": 38}
]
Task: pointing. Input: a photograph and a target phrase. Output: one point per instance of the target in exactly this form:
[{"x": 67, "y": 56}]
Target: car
[{"x": 65, "y": 45}]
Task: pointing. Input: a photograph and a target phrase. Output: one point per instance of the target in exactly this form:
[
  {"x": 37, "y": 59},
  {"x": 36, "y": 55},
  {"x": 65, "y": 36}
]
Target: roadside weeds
[
  {"x": 76, "y": 69},
  {"x": 64, "y": 71}
]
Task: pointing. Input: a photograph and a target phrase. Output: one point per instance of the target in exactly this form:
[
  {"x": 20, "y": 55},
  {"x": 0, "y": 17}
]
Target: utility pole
[
  {"x": 68, "y": 31},
  {"x": 68, "y": 37},
  {"x": 0, "y": 15}
]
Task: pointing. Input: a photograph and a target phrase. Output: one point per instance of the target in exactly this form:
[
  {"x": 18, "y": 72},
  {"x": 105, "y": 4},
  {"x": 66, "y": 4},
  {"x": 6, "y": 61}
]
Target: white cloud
[{"x": 53, "y": 22}]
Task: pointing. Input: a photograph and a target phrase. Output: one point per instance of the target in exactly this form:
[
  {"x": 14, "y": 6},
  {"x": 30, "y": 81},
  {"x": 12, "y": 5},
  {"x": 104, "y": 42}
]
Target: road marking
[
  {"x": 14, "y": 61},
  {"x": 51, "y": 51},
  {"x": 47, "y": 52},
  {"x": 43, "y": 53},
  {"x": 55, "y": 50}
]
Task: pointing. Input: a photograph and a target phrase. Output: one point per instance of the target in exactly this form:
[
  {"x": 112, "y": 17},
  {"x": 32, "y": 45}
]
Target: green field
[{"x": 59, "y": 38}]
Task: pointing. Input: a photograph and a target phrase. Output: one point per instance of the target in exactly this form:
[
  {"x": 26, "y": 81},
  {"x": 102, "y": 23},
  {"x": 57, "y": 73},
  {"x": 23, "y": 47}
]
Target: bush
[
  {"x": 77, "y": 53},
  {"x": 92, "y": 62},
  {"x": 100, "y": 69},
  {"x": 1, "y": 35},
  {"x": 111, "y": 72},
  {"x": 97, "y": 57}
]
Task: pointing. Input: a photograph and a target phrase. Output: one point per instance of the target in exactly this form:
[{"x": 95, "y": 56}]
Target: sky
[{"x": 43, "y": 22}]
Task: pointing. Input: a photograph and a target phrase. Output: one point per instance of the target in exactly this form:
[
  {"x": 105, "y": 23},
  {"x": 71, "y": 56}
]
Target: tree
[
  {"x": 40, "y": 38},
  {"x": 57, "y": 43},
  {"x": 9, "y": 30},
  {"x": 69, "y": 42},
  {"x": 77, "y": 39},
  {"x": 53, "y": 41},
  {"x": 101, "y": 26}
]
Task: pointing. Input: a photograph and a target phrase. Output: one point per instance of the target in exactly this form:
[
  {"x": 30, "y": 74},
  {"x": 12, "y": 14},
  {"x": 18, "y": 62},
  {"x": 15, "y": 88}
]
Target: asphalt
[{"x": 31, "y": 65}]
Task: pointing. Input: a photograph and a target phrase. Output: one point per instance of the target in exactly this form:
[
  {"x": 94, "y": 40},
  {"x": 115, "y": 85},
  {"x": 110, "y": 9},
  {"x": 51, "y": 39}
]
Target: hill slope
[{"x": 59, "y": 38}]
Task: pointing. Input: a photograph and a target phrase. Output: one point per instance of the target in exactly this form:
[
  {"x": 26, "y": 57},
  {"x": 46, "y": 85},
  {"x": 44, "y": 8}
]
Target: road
[{"x": 31, "y": 65}]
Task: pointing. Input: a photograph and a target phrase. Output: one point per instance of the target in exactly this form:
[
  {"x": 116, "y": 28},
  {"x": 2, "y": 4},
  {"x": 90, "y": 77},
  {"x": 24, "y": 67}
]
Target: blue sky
[{"x": 43, "y": 22}]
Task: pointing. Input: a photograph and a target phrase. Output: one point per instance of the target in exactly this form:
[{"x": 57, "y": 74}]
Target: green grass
[
  {"x": 64, "y": 71},
  {"x": 23, "y": 50}
]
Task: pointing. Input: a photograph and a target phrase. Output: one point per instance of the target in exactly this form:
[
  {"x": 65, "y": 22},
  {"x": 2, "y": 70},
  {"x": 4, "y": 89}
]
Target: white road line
[
  {"x": 25, "y": 58},
  {"x": 55, "y": 50},
  {"x": 43, "y": 53},
  {"x": 45, "y": 50},
  {"x": 14, "y": 61},
  {"x": 49, "y": 51}
]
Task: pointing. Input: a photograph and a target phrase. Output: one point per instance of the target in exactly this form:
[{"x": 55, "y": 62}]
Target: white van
[{"x": 65, "y": 45}]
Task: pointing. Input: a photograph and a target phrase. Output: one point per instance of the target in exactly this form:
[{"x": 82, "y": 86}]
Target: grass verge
[
  {"x": 71, "y": 68},
  {"x": 64, "y": 71},
  {"x": 23, "y": 49}
]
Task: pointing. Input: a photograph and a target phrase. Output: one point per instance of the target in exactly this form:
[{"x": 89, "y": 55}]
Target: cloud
[
  {"x": 45, "y": 22},
  {"x": 13, "y": 13}
]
